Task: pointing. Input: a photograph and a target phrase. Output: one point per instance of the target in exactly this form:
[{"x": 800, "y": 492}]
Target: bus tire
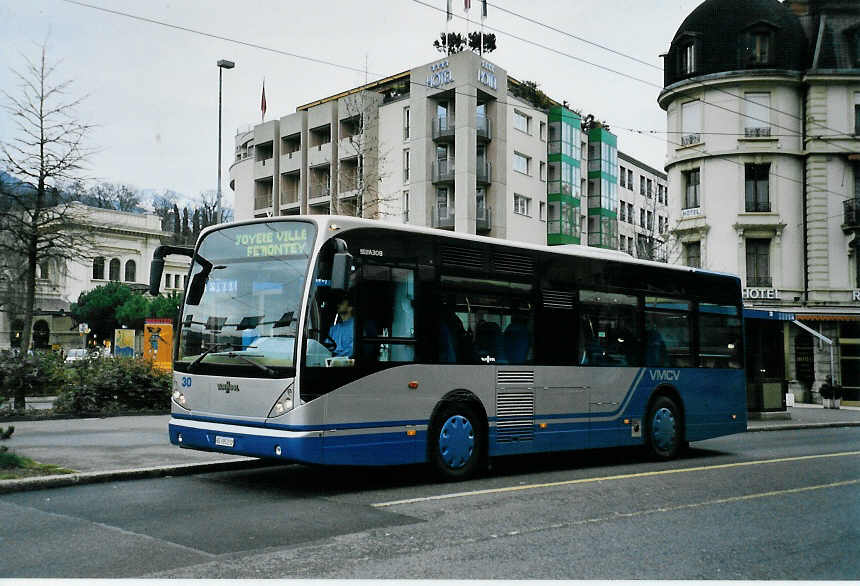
[
  {"x": 457, "y": 441},
  {"x": 664, "y": 429}
]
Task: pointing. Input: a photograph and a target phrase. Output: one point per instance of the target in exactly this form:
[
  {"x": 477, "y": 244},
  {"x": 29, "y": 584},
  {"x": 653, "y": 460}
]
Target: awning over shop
[
  {"x": 825, "y": 317},
  {"x": 768, "y": 314}
]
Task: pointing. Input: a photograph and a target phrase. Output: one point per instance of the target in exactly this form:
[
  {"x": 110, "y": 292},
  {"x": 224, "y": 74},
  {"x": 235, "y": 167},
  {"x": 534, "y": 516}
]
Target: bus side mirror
[
  {"x": 196, "y": 287},
  {"x": 156, "y": 268},
  {"x": 341, "y": 265}
]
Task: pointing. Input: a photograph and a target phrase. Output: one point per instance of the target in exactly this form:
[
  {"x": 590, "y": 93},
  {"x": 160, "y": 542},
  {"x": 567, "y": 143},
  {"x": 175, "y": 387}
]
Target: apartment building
[
  {"x": 445, "y": 144},
  {"x": 455, "y": 144},
  {"x": 643, "y": 209},
  {"x": 765, "y": 97}
]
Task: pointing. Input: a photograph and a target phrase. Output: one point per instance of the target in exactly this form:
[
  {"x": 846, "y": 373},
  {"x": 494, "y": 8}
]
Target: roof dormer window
[
  {"x": 757, "y": 45},
  {"x": 688, "y": 54}
]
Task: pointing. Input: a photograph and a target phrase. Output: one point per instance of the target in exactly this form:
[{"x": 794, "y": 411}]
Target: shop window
[{"x": 849, "y": 350}]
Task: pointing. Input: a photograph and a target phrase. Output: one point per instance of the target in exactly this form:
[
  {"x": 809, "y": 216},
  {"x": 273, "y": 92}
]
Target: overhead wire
[{"x": 355, "y": 69}]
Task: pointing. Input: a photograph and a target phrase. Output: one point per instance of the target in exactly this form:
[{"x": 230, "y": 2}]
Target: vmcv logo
[
  {"x": 664, "y": 374},
  {"x": 227, "y": 387}
]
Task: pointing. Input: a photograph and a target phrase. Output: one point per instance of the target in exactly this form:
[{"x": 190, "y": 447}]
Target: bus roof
[{"x": 335, "y": 223}]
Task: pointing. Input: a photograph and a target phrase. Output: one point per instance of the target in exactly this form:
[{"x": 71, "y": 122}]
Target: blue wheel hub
[
  {"x": 456, "y": 441},
  {"x": 663, "y": 429}
]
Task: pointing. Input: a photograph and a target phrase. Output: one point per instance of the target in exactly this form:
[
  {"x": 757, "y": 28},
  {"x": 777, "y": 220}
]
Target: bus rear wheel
[
  {"x": 664, "y": 430},
  {"x": 457, "y": 442}
]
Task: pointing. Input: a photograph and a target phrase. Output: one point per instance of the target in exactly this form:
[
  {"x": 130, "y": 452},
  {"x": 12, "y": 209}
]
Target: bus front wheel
[
  {"x": 664, "y": 429},
  {"x": 457, "y": 442}
]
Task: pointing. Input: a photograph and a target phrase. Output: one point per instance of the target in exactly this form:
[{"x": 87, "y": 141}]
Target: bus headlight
[
  {"x": 284, "y": 403},
  {"x": 179, "y": 399}
]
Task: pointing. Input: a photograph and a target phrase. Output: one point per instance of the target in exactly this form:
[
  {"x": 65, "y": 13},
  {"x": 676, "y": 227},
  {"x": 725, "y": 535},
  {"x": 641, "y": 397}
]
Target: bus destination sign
[{"x": 275, "y": 243}]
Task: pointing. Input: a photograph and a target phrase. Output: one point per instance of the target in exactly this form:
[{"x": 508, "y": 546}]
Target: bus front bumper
[{"x": 243, "y": 440}]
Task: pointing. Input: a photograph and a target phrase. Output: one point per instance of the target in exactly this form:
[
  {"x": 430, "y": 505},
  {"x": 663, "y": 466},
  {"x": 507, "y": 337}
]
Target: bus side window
[
  {"x": 719, "y": 336},
  {"x": 386, "y": 314},
  {"x": 667, "y": 332},
  {"x": 609, "y": 332},
  {"x": 485, "y": 328}
]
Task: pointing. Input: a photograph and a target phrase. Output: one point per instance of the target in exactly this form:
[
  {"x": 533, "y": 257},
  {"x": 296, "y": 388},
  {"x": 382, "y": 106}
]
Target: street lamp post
[{"x": 222, "y": 65}]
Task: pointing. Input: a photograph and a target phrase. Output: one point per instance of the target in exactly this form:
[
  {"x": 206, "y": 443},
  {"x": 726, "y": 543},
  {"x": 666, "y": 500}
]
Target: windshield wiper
[
  {"x": 230, "y": 354},
  {"x": 206, "y": 353},
  {"x": 247, "y": 359}
]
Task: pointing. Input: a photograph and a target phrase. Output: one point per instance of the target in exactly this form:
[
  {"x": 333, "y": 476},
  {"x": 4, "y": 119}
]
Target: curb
[
  {"x": 79, "y": 478},
  {"x": 790, "y": 426}
]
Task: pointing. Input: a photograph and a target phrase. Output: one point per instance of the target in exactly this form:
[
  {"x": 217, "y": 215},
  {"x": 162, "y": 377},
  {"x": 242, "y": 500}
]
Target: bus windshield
[{"x": 249, "y": 281}]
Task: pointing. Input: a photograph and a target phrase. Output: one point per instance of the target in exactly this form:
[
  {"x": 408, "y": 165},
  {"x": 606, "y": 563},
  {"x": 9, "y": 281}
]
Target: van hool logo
[{"x": 227, "y": 387}]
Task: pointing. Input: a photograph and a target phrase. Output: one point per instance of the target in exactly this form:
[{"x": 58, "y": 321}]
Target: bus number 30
[{"x": 186, "y": 382}]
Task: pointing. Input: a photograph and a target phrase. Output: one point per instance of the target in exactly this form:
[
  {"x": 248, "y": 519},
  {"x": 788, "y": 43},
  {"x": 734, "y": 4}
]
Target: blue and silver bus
[{"x": 342, "y": 341}]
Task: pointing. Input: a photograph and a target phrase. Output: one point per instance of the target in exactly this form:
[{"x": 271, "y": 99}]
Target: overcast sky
[{"x": 153, "y": 91}]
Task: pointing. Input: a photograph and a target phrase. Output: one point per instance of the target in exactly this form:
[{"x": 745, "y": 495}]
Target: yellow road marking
[
  {"x": 615, "y": 516},
  {"x": 440, "y": 497}
]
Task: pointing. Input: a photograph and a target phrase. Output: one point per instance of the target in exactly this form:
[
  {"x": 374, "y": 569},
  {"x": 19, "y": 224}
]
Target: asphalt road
[{"x": 779, "y": 505}]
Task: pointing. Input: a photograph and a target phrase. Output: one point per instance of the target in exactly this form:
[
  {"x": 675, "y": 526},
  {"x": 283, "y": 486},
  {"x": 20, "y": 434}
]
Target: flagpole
[
  {"x": 483, "y": 16},
  {"x": 447, "y": 19}
]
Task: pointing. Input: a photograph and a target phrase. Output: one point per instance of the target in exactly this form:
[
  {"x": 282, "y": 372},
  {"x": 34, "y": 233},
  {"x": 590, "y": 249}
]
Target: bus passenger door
[{"x": 563, "y": 387}]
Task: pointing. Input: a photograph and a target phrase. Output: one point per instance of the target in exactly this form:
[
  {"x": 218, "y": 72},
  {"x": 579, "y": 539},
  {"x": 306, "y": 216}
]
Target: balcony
[
  {"x": 851, "y": 215},
  {"x": 443, "y": 128},
  {"x": 759, "y": 281},
  {"x": 483, "y": 219},
  {"x": 689, "y": 139},
  {"x": 757, "y": 206},
  {"x": 443, "y": 171},
  {"x": 319, "y": 190},
  {"x": 484, "y": 129},
  {"x": 757, "y": 132},
  {"x": 443, "y": 217},
  {"x": 484, "y": 172},
  {"x": 559, "y": 187}
]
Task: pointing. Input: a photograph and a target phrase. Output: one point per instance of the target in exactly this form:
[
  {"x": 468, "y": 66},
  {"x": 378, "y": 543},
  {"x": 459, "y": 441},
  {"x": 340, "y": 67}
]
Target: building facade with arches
[
  {"x": 763, "y": 108},
  {"x": 123, "y": 247}
]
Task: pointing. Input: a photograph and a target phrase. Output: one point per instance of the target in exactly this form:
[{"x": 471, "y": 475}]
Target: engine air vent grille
[
  {"x": 514, "y": 263},
  {"x": 467, "y": 258},
  {"x": 515, "y": 414},
  {"x": 558, "y": 299},
  {"x": 515, "y": 377}
]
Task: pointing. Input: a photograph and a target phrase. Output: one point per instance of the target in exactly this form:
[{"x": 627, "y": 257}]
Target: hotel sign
[
  {"x": 487, "y": 75},
  {"x": 855, "y": 295},
  {"x": 760, "y": 293},
  {"x": 440, "y": 75}
]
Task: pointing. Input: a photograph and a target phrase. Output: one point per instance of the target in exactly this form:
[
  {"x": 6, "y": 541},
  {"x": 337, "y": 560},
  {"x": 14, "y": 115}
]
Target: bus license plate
[{"x": 227, "y": 442}]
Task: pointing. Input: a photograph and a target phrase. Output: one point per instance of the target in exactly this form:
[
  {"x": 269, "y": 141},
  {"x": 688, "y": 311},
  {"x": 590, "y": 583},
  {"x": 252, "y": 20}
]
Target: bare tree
[
  {"x": 208, "y": 209},
  {"x": 114, "y": 196},
  {"x": 39, "y": 221},
  {"x": 162, "y": 206},
  {"x": 361, "y": 166}
]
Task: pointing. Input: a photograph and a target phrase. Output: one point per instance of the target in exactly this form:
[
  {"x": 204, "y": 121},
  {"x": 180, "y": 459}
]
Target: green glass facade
[
  {"x": 602, "y": 189},
  {"x": 563, "y": 176}
]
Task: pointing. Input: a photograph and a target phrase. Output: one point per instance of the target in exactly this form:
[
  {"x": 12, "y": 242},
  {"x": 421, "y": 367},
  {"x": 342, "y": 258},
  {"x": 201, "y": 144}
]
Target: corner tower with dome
[{"x": 763, "y": 151}]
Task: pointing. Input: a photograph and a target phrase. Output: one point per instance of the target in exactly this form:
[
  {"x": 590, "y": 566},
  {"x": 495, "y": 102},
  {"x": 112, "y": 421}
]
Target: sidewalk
[
  {"x": 114, "y": 448},
  {"x": 806, "y": 416}
]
